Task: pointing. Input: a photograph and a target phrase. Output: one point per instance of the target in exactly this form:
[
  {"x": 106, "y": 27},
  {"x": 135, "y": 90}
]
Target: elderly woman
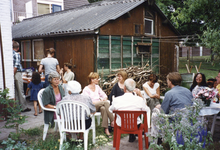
[
  {"x": 118, "y": 88},
  {"x": 74, "y": 88},
  {"x": 199, "y": 83},
  {"x": 51, "y": 96},
  {"x": 50, "y": 64},
  {"x": 99, "y": 99},
  {"x": 152, "y": 91}
]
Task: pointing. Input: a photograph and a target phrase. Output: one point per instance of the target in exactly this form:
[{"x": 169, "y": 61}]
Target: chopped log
[{"x": 138, "y": 74}]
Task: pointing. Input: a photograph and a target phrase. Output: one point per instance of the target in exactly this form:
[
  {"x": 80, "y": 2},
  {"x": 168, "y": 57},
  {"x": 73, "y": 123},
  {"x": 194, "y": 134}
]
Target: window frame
[
  {"x": 143, "y": 44},
  {"x": 36, "y": 59},
  {"x": 22, "y": 51},
  {"x": 152, "y": 26}
]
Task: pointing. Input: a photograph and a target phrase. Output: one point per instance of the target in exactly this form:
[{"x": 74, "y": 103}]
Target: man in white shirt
[{"x": 129, "y": 101}]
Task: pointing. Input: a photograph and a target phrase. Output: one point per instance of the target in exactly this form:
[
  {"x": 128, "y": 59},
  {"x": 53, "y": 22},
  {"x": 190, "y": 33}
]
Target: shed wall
[
  {"x": 78, "y": 50},
  {"x": 116, "y": 52}
]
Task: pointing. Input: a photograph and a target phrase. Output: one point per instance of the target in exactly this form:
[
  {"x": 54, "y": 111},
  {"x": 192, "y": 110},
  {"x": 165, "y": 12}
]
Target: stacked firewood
[{"x": 138, "y": 74}]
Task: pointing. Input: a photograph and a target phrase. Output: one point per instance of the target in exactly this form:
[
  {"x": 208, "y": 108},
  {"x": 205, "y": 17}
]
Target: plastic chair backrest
[
  {"x": 129, "y": 119},
  {"x": 39, "y": 97},
  {"x": 72, "y": 115}
]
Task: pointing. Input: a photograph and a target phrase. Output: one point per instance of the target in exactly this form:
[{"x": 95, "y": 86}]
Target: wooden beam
[
  {"x": 200, "y": 66},
  {"x": 121, "y": 51},
  {"x": 187, "y": 68},
  {"x": 132, "y": 50},
  {"x": 110, "y": 53}
]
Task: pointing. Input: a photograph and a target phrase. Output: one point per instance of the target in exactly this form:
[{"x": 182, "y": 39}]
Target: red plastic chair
[{"x": 129, "y": 126}]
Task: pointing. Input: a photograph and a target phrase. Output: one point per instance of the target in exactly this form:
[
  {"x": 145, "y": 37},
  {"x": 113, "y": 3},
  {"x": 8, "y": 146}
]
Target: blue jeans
[{"x": 46, "y": 81}]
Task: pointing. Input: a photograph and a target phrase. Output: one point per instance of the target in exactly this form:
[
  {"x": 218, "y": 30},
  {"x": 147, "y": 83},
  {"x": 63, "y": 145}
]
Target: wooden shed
[{"x": 105, "y": 35}]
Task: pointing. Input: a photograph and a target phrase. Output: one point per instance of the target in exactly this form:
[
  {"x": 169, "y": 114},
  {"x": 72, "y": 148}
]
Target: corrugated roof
[{"x": 83, "y": 19}]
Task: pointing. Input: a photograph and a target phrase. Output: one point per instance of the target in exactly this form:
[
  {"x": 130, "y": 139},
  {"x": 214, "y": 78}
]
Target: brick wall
[
  {"x": 5, "y": 22},
  {"x": 74, "y": 3},
  {"x": 20, "y": 10}
]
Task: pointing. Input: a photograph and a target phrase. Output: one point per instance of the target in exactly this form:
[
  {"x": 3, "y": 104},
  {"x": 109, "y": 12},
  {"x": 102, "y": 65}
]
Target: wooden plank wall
[{"x": 79, "y": 50}]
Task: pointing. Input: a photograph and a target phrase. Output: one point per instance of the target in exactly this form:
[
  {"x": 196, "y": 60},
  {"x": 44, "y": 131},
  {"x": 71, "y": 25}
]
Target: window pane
[
  {"x": 38, "y": 50},
  {"x": 144, "y": 49},
  {"x": 148, "y": 26},
  {"x": 137, "y": 29},
  {"x": 26, "y": 50},
  {"x": 56, "y": 8},
  {"x": 43, "y": 9}
]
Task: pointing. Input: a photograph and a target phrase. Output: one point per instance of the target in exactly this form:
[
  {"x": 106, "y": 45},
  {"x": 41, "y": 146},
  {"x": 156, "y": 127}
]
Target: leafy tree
[{"x": 196, "y": 17}]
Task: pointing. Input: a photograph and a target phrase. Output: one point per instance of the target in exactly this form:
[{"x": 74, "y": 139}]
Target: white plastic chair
[
  {"x": 68, "y": 114},
  {"x": 46, "y": 126}
]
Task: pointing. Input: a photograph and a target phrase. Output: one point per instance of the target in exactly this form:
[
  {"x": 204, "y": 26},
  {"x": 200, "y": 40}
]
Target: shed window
[
  {"x": 149, "y": 21},
  {"x": 143, "y": 48},
  {"x": 149, "y": 26},
  {"x": 137, "y": 29},
  {"x": 38, "y": 49},
  {"x": 26, "y": 50}
]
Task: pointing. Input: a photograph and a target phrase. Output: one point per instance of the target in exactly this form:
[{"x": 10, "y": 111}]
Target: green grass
[{"x": 210, "y": 70}]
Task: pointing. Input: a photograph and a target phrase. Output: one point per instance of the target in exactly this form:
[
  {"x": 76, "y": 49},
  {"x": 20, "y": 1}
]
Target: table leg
[{"x": 213, "y": 124}]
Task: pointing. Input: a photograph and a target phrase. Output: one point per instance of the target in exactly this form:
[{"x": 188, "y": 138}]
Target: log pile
[{"x": 138, "y": 74}]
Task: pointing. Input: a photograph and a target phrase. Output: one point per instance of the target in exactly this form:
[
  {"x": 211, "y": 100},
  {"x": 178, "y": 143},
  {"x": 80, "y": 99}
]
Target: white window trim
[
  {"x": 152, "y": 26},
  {"x": 33, "y": 48},
  {"x": 22, "y": 51}
]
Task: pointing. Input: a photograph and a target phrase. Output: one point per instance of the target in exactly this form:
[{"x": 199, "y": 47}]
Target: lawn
[{"x": 207, "y": 68}]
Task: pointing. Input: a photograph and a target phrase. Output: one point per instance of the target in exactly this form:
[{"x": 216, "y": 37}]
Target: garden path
[{"x": 32, "y": 121}]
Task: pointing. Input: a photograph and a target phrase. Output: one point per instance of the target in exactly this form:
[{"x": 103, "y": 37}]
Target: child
[{"x": 35, "y": 85}]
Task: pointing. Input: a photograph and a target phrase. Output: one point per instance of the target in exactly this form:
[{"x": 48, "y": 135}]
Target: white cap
[{"x": 74, "y": 87}]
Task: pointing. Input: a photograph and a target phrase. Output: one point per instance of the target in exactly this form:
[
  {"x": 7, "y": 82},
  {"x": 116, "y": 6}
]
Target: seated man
[
  {"x": 128, "y": 101},
  {"x": 178, "y": 96}
]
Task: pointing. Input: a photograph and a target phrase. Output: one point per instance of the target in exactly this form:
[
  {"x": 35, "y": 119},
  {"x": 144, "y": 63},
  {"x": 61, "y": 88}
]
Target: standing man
[
  {"x": 19, "y": 90},
  {"x": 178, "y": 96},
  {"x": 129, "y": 101}
]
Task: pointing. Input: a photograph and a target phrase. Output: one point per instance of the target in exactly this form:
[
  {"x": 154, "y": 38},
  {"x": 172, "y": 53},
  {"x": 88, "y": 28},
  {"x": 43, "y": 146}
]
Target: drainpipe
[{"x": 2, "y": 57}]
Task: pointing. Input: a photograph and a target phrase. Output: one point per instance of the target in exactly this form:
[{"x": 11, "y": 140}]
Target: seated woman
[
  {"x": 152, "y": 91},
  {"x": 74, "y": 88},
  {"x": 68, "y": 75},
  {"x": 199, "y": 83},
  {"x": 99, "y": 99},
  {"x": 51, "y": 96},
  {"x": 118, "y": 88}
]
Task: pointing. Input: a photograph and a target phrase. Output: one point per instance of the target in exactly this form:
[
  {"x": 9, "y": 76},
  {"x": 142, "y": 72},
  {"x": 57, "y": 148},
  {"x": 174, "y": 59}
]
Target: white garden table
[{"x": 213, "y": 109}]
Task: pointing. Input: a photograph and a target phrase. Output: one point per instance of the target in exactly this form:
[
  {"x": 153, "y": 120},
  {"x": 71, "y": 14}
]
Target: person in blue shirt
[
  {"x": 35, "y": 86},
  {"x": 178, "y": 96}
]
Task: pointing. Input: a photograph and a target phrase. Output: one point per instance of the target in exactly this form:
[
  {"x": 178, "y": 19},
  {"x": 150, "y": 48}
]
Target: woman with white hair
[
  {"x": 74, "y": 88},
  {"x": 51, "y": 96}
]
